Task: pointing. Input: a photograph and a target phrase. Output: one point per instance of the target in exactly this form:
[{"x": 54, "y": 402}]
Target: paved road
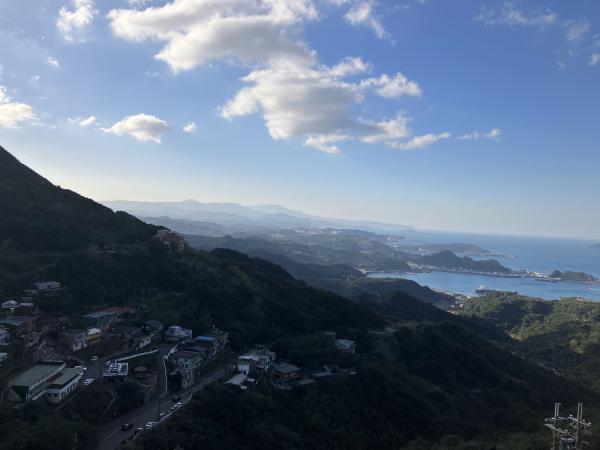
[{"x": 111, "y": 434}]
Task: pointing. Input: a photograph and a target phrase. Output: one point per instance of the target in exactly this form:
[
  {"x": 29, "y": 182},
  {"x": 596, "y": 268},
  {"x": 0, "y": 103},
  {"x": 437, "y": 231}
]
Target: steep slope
[
  {"x": 39, "y": 216},
  {"x": 563, "y": 334}
]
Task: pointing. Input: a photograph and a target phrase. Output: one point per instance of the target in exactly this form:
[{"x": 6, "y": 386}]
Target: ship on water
[{"x": 483, "y": 290}]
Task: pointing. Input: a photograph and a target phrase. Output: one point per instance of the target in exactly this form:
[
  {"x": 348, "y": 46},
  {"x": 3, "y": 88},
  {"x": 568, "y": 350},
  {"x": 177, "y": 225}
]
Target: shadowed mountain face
[{"x": 39, "y": 216}]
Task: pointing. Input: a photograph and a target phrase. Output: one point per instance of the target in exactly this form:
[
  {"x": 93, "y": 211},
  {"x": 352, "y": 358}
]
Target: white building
[
  {"x": 64, "y": 385},
  {"x": 177, "y": 334},
  {"x": 48, "y": 378}
]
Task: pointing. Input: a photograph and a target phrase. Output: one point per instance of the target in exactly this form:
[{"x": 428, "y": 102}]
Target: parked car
[
  {"x": 176, "y": 398},
  {"x": 94, "y": 358},
  {"x": 161, "y": 415},
  {"x": 88, "y": 381},
  {"x": 150, "y": 425},
  {"x": 138, "y": 430},
  {"x": 126, "y": 426}
]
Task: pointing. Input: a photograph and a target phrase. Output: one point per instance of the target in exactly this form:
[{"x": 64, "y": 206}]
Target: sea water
[{"x": 531, "y": 253}]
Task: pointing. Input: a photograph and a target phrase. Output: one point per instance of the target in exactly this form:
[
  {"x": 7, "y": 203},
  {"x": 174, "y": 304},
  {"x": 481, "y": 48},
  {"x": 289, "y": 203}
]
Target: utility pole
[
  {"x": 581, "y": 427},
  {"x": 568, "y": 439}
]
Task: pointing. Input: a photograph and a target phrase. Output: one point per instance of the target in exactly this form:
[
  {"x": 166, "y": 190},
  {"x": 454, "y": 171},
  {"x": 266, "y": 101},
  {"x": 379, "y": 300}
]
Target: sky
[{"x": 464, "y": 115}]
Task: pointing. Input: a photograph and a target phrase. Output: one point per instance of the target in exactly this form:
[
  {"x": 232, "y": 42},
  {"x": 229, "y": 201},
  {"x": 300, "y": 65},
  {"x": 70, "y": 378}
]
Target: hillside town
[{"x": 119, "y": 352}]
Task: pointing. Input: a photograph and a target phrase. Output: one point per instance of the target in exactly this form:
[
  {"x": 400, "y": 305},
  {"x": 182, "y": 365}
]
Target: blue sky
[{"x": 479, "y": 116}]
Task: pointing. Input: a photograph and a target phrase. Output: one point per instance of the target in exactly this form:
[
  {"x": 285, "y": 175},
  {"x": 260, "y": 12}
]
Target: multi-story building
[
  {"x": 48, "y": 378},
  {"x": 187, "y": 359},
  {"x": 74, "y": 339},
  {"x": 258, "y": 360},
  {"x": 101, "y": 319}
]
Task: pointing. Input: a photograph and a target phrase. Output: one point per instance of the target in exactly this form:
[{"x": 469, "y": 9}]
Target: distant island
[
  {"x": 596, "y": 246},
  {"x": 446, "y": 260},
  {"x": 573, "y": 276}
]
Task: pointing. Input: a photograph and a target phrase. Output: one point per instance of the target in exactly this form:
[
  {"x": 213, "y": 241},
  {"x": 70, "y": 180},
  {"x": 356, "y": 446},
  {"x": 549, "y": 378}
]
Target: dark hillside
[{"x": 37, "y": 216}]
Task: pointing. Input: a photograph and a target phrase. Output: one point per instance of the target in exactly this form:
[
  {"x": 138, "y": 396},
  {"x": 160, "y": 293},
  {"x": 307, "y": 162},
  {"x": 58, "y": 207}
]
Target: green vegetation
[
  {"x": 449, "y": 260},
  {"x": 429, "y": 380},
  {"x": 573, "y": 276},
  {"x": 563, "y": 335},
  {"x": 351, "y": 248}
]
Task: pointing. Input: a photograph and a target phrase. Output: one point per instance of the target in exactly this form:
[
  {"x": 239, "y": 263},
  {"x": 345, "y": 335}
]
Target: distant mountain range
[{"x": 248, "y": 217}]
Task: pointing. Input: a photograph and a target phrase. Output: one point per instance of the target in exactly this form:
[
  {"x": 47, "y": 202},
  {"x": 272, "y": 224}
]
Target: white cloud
[
  {"x": 190, "y": 128},
  {"x": 197, "y": 31},
  {"x": 594, "y": 59},
  {"x": 295, "y": 101},
  {"x": 138, "y": 3},
  {"x": 74, "y": 23},
  {"x": 315, "y": 103},
  {"x": 326, "y": 143},
  {"x": 14, "y": 114},
  {"x": 510, "y": 15},
  {"x": 393, "y": 87},
  {"x": 494, "y": 133},
  {"x": 423, "y": 141},
  {"x": 576, "y": 30},
  {"x": 83, "y": 122},
  {"x": 296, "y": 96},
  {"x": 143, "y": 127},
  {"x": 387, "y": 131},
  {"x": 52, "y": 62},
  {"x": 363, "y": 14},
  {"x": 350, "y": 66}
]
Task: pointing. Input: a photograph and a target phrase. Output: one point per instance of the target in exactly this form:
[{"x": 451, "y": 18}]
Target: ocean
[{"x": 534, "y": 254}]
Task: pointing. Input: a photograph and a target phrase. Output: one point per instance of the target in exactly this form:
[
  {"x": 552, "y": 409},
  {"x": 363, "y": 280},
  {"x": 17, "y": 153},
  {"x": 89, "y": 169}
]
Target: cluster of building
[
  {"x": 193, "y": 353},
  {"x": 95, "y": 325},
  {"x": 19, "y": 323},
  {"x": 261, "y": 362}
]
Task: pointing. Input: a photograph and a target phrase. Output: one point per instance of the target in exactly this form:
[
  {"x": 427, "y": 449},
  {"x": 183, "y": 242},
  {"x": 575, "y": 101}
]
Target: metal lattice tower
[{"x": 568, "y": 432}]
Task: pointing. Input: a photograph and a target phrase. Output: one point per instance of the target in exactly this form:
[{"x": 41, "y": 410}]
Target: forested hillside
[{"x": 39, "y": 216}]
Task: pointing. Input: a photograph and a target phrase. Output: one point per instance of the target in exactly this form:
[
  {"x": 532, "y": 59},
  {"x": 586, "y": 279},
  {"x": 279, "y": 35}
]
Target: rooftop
[
  {"x": 37, "y": 373},
  {"x": 186, "y": 354},
  {"x": 205, "y": 339},
  {"x": 47, "y": 285},
  {"x": 15, "y": 322},
  {"x": 237, "y": 380},
  {"x": 64, "y": 377},
  {"x": 287, "y": 368},
  {"x": 98, "y": 314}
]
